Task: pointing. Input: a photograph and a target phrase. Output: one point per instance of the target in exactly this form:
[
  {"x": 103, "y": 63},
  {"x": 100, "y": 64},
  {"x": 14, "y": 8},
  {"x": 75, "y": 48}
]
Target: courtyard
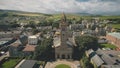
[{"x": 62, "y": 64}]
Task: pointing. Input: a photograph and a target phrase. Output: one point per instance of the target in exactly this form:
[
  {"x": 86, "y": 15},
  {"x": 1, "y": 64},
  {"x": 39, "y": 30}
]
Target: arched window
[
  {"x": 63, "y": 56},
  {"x": 68, "y": 56},
  {"x": 58, "y": 56}
]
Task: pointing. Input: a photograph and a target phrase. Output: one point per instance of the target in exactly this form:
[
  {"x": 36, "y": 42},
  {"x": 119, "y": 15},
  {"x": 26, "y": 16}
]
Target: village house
[
  {"x": 33, "y": 40},
  {"x": 9, "y": 34},
  {"x": 29, "y": 50},
  {"x": 15, "y": 49},
  {"x": 114, "y": 38},
  {"x": 104, "y": 58}
]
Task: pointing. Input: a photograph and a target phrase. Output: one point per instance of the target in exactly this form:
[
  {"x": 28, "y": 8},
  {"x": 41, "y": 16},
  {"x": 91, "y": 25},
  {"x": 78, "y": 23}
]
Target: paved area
[
  {"x": 17, "y": 66},
  {"x": 72, "y": 64}
]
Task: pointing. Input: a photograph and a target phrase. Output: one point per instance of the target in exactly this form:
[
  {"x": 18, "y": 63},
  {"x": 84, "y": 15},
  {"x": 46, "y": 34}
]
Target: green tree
[
  {"x": 15, "y": 25},
  {"x": 55, "y": 24},
  {"x": 43, "y": 50},
  {"x": 35, "y": 31},
  {"x": 85, "y": 62},
  {"x": 86, "y": 42}
]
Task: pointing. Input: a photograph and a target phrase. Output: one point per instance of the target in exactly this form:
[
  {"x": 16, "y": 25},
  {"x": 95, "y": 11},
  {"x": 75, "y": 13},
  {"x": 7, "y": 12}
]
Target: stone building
[
  {"x": 114, "y": 38},
  {"x": 104, "y": 58},
  {"x": 33, "y": 40},
  {"x": 29, "y": 50},
  {"x": 15, "y": 49},
  {"x": 63, "y": 45}
]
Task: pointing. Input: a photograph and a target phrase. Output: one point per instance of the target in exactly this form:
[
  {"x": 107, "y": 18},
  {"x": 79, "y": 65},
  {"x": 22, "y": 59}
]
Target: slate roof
[
  {"x": 57, "y": 42},
  {"x": 95, "y": 58},
  {"x": 110, "y": 66},
  {"x": 28, "y": 64},
  {"x": 115, "y": 34},
  {"x": 23, "y": 39},
  {"x": 15, "y": 44},
  {"x": 106, "y": 58}
]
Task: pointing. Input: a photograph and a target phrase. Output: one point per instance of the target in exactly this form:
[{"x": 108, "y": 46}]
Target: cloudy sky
[{"x": 57, "y": 6}]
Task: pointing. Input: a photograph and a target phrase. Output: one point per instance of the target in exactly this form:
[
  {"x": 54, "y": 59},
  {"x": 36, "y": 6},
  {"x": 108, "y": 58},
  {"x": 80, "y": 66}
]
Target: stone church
[{"x": 63, "y": 44}]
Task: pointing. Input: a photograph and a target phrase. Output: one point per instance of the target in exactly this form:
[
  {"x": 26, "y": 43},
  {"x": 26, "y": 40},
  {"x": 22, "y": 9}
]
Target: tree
[
  {"x": 35, "y": 31},
  {"x": 43, "y": 50},
  {"x": 15, "y": 25},
  {"x": 86, "y": 42},
  {"x": 32, "y": 24},
  {"x": 55, "y": 24}
]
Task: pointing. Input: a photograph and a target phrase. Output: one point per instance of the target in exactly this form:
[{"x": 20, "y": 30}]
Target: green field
[
  {"x": 109, "y": 17},
  {"x": 107, "y": 46},
  {"x": 10, "y": 63},
  {"x": 116, "y": 26},
  {"x": 62, "y": 66}
]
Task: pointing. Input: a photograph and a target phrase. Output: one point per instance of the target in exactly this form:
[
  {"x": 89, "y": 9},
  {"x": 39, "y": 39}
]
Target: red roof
[{"x": 29, "y": 48}]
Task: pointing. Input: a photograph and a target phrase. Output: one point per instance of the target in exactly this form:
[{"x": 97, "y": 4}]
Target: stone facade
[
  {"x": 32, "y": 40},
  {"x": 114, "y": 38}
]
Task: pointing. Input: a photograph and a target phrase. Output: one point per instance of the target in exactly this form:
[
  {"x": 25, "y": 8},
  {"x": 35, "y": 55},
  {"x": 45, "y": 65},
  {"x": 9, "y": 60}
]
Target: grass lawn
[
  {"x": 107, "y": 46},
  {"x": 62, "y": 66},
  {"x": 10, "y": 63}
]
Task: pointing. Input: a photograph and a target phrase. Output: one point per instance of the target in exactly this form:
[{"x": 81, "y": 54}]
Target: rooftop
[
  {"x": 29, "y": 48},
  {"x": 110, "y": 57},
  {"x": 15, "y": 44},
  {"x": 56, "y": 42},
  {"x": 32, "y": 36},
  {"x": 98, "y": 61},
  {"x": 5, "y": 39},
  {"x": 28, "y": 64},
  {"x": 115, "y": 34},
  {"x": 9, "y": 32},
  {"x": 94, "y": 57},
  {"x": 110, "y": 66},
  {"x": 2, "y": 42}
]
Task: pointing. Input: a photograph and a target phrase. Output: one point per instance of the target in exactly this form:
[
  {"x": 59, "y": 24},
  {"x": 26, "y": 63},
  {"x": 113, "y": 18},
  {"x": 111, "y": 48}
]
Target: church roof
[
  {"x": 57, "y": 42},
  {"x": 29, "y": 48}
]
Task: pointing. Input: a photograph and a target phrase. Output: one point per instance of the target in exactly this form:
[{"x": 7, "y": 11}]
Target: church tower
[
  {"x": 63, "y": 47},
  {"x": 63, "y": 30}
]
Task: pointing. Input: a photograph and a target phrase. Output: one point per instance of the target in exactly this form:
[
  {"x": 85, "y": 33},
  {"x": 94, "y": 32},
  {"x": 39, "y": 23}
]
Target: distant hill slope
[
  {"x": 54, "y": 16},
  {"x": 22, "y": 13}
]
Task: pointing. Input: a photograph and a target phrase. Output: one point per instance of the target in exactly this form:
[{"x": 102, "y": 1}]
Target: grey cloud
[{"x": 55, "y": 6}]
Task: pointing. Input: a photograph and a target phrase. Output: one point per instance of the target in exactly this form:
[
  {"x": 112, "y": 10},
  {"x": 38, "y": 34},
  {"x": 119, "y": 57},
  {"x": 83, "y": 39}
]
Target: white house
[{"x": 32, "y": 40}]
